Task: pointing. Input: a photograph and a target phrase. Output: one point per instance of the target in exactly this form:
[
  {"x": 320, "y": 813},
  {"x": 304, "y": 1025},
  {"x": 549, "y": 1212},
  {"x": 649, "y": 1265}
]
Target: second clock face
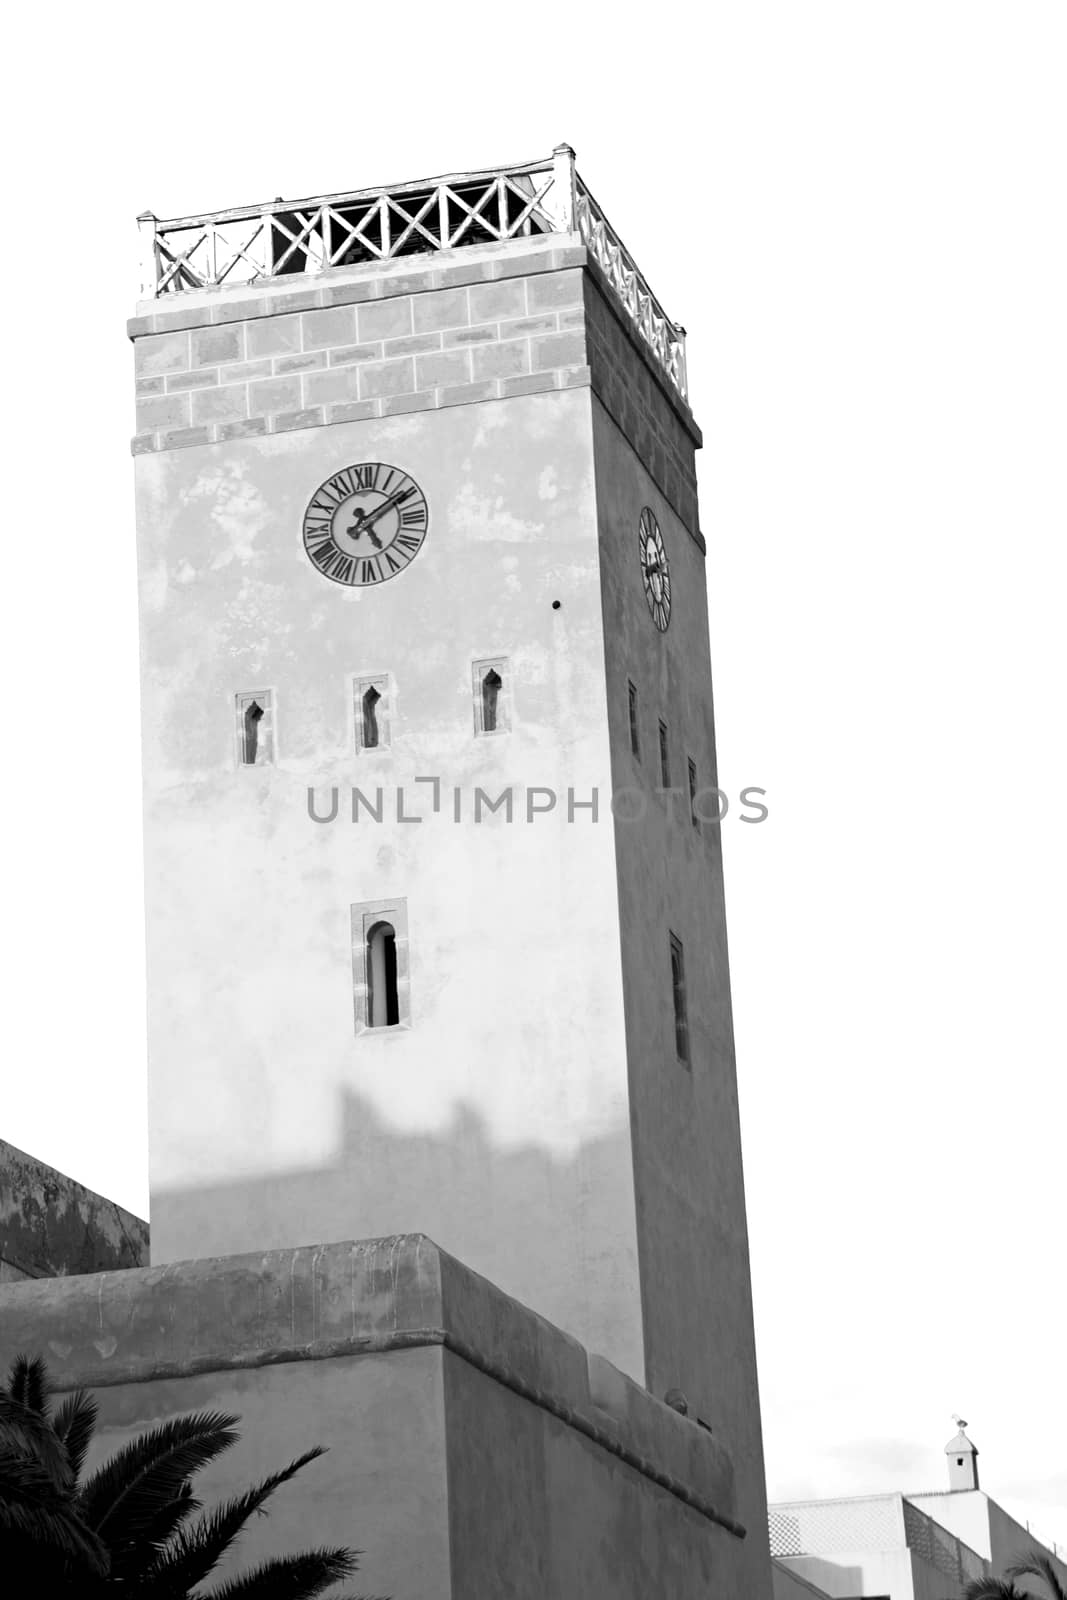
[
  {"x": 365, "y": 524},
  {"x": 655, "y": 569}
]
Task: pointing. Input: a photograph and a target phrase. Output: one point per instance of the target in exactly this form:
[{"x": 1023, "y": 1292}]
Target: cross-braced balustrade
[
  {"x": 304, "y": 237},
  {"x": 666, "y": 338}
]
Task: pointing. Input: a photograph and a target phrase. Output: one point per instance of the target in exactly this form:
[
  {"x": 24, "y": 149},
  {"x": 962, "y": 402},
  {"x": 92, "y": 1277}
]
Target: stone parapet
[
  {"x": 194, "y": 1318},
  {"x": 50, "y": 1225}
]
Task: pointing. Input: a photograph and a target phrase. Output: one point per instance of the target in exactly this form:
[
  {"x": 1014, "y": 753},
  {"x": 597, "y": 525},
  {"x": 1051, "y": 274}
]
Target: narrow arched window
[
  {"x": 383, "y": 1005},
  {"x": 492, "y": 684},
  {"x": 635, "y": 738},
  {"x": 370, "y": 718},
  {"x": 253, "y": 713},
  {"x": 491, "y": 708},
  {"x": 255, "y": 731},
  {"x": 380, "y": 977},
  {"x": 681, "y": 1020},
  {"x": 372, "y": 712}
]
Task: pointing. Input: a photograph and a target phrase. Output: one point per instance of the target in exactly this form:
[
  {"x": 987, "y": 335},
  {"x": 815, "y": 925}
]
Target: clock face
[
  {"x": 365, "y": 524},
  {"x": 655, "y": 569}
]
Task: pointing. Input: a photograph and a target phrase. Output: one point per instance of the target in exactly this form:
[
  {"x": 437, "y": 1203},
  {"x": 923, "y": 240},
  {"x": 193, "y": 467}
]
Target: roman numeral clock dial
[
  {"x": 365, "y": 524},
  {"x": 655, "y": 569}
]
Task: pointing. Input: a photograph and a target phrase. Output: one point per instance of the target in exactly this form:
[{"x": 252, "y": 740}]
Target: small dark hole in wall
[{"x": 556, "y": 604}]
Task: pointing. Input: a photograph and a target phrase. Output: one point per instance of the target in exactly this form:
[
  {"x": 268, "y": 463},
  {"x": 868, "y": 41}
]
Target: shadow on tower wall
[{"x": 512, "y": 1214}]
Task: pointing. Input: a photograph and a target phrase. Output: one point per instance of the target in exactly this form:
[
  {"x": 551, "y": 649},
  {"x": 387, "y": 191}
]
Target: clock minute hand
[{"x": 386, "y": 505}]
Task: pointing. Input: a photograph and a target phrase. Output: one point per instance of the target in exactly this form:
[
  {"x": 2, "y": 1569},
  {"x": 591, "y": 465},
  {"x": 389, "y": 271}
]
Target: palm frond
[
  {"x": 23, "y": 1475},
  {"x": 128, "y": 1525},
  {"x": 26, "y": 1432},
  {"x": 134, "y": 1560},
  {"x": 73, "y": 1424},
  {"x": 301, "y": 1577},
  {"x": 28, "y": 1384},
  {"x": 31, "y": 1509},
  {"x": 991, "y": 1589},
  {"x": 197, "y": 1551},
  {"x": 1038, "y": 1565},
  {"x": 122, "y": 1497}
]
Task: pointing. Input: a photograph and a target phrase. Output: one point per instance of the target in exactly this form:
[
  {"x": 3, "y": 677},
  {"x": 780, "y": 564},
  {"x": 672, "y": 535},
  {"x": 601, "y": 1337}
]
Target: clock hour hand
[{"x": 362, "y": 525}]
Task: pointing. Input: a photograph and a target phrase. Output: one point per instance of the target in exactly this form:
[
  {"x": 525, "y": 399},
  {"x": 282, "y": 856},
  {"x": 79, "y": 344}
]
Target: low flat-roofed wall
[{"x": 474, "y": 1448}]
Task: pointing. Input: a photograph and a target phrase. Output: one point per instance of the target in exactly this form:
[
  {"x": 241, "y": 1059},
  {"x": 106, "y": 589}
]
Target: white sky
[{"x": 857, "y": 211}]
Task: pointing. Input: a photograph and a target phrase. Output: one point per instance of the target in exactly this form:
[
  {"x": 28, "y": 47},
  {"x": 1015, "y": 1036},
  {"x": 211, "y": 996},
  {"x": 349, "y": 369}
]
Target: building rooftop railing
[
  {"x": 288, "y": 238},
  {"x": 871, "y": 1522}
]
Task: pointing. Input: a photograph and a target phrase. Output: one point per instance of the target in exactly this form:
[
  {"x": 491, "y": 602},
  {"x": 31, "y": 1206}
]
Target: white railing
[
  {"x": 289, "y": 238},
  {"x": 666, "y": 338}
]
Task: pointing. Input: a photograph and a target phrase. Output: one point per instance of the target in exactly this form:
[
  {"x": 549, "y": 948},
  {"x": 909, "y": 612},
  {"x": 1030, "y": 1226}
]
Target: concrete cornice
[{"x": 347, "y": 1299}]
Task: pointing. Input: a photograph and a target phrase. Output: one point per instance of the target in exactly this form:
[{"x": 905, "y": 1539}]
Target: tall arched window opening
[
  {"x": 492, "y": 709},
  {"x": 635, "y": 739},
  {"x": 253, "y": 713},
  {"x": 255, "y": 728},
  {"x": 383, "y": 1005},
  {"x": 372, "y": 705},
  {"x": 492, "y": 684},
  {"x": 681, "y": 1020},
  {"x": 370, "y": 718}
]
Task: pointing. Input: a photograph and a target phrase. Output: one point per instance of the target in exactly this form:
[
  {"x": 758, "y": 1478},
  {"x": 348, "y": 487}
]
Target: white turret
[{"x": 962, "y": 1459}]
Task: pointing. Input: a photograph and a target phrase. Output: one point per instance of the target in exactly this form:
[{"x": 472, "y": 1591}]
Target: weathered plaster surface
[
  {"x": 558, "y": 1515},
  {"x": 475, "y": 1450},
  {"x": 503, "y": 1108},
  {"x": 294, "y": 362},
  {"x": 51, "y": 1225},
  {"x": 692, "y": 1233}
]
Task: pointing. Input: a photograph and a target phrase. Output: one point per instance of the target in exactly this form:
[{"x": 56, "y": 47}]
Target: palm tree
[
  {"x": 1038, "y": 1565},
  {"x": 1034, "y": 1565},
  {"x": 130, "y": 1525}
]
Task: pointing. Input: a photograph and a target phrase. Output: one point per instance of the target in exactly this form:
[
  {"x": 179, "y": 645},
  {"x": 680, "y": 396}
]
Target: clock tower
[{"x": 436, "y": 938}]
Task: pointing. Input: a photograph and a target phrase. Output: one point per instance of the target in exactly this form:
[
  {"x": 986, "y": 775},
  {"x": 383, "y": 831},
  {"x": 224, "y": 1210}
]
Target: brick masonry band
[
  {"x": 354, "y": 348},
  {"x": 321, "y": 1302}
]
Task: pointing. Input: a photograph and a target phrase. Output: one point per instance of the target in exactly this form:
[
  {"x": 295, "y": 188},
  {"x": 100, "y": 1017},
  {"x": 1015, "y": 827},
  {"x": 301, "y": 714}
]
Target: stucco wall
[
  {"x": 850, "y": 1574},
  {"x": 381, "y": 1489},
  {"x": 789, "y": 1585},
  {"x": 692, "y": 1230},
  {"x": 556, "y": 1515},
  {"x": 474, "y": 1450},
  {"x": 50, "y": 1225},
  {"x": 1009, "y": 1541},
  {"x": 500, "y": 1117},
  {"x": 984, "y": 1525}
]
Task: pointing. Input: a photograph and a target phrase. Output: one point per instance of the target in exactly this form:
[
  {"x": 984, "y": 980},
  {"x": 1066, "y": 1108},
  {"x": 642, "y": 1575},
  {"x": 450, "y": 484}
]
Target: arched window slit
[
  {"x": 370, "y": 718},
  {"x": 383, "y": 1003},
  {"x": 253, "y": 713},
  {"x": 492, "y": 684}
]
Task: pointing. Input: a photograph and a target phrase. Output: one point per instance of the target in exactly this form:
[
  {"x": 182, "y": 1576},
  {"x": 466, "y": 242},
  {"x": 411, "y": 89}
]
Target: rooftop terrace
[{"x": 305, "y": 238}]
